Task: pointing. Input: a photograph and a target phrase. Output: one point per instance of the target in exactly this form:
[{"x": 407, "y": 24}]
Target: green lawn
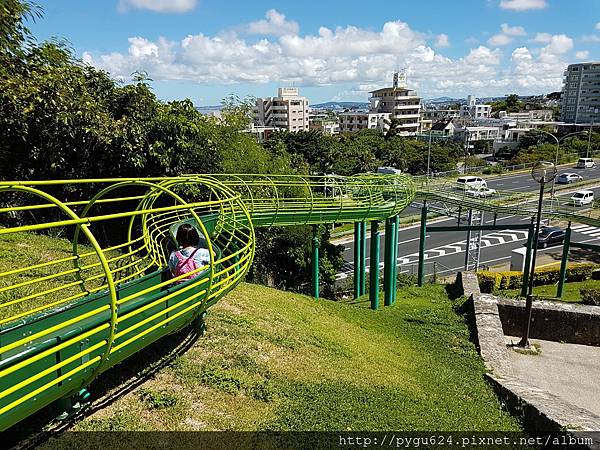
[
  {"x": 571, "y": 293},
  {"x": 280, "y": 361}
]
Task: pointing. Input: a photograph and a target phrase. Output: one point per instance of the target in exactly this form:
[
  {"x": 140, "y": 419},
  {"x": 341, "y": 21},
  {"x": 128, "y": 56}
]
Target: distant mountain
[
  {"x": 209, "y": 108},
  {"x": 443, "y": 100},
  {"x": 340, "y": 106}
]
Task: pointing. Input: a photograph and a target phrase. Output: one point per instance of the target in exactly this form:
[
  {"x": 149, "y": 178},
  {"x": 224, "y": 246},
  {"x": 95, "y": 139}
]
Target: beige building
[
  {"x": 288, "y": 111},
  {"x": 358, "y": 120},
  {"x": 400, "y": 103},
  {"x": 396, "y": 102}
]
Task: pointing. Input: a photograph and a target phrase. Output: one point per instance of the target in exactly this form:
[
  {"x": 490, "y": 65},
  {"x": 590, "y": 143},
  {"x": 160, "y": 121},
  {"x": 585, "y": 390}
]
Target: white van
[
  {"x": 581, "y": 198},
  {"x": 471, "y": 183},
  {"x": 586, "y": 163}
]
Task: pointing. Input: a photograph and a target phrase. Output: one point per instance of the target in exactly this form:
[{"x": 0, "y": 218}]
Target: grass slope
[{"x": 276, "y": 360}]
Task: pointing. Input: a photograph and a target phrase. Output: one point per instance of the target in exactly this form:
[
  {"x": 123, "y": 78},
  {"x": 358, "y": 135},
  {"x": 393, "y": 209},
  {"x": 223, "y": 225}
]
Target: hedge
[
  {"x": 590, "y": 296},
  {"x": 492, "y": 281}
]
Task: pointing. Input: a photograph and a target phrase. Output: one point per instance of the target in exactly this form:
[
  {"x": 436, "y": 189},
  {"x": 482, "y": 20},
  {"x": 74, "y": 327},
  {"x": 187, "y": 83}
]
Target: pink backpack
[{"x": 185, "y": 265}]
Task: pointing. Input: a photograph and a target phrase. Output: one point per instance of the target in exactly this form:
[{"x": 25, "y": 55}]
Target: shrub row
[
  {"x": 492, "y": 281},
  {"x": 590, "y": 296}
]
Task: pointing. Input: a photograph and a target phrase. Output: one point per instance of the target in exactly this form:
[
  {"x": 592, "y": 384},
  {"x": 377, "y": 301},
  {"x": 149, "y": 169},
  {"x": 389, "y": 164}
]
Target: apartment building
[
  {"x": 581, "y": 93},
  {"x": 400, "y": 103},
  {"x": 288, "y": 111},
  {"x": 474, "y": 110},
  {"x": 358, "y": 120},
  {"x": 477, "y": 133},
  {"x": 439, "y": 114}
]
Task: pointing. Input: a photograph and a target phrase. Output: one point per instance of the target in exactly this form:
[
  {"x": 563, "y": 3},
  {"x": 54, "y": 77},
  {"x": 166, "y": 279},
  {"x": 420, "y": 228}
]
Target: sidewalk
[{"x": 569, "y": 371}]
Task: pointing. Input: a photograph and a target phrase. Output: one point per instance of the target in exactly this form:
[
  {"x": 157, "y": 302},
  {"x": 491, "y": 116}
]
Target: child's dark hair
[{"x": 187, "y": 236}]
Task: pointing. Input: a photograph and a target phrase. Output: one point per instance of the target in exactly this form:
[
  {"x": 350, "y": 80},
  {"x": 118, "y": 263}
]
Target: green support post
[
  {"x": 374, "y": 268},
  {"x": 563, "y": 263},
  {"x": 388, "y": 281},
  {"x": 357, "y": 259},
  {"x": 363, "y": 258},
  {"x": 527, "y": 268},
  {"x": 421, "y": 273},
  {"x": 315, "y": 262},
  {"x": 396, "y": 226}
]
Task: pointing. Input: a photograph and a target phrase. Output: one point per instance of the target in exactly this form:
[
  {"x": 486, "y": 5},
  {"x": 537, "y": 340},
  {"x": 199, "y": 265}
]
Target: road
[{"x": 447, "y": 250}]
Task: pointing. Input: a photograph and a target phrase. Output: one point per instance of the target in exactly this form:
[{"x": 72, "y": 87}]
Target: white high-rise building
[
  {"x": 581, "y": 93},
  {"x": 288, "y": 111},
  {"x": 396, "y": 102},
  {"x": 473, "y": 110}
]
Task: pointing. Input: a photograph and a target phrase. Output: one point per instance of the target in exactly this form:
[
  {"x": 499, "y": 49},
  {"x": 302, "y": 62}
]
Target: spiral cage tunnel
[{"x": 103, "y": 291}]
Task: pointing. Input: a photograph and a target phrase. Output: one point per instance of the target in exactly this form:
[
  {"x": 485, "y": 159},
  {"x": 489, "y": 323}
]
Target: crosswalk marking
[
  {"x": 488, "y": 240},
  {"x": 587, "y": 230}
]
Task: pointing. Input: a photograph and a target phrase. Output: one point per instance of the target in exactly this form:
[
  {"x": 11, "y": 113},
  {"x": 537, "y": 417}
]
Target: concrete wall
[{"x": 553, "y": 321}]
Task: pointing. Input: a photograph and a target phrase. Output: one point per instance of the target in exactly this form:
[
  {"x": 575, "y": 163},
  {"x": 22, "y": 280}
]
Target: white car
[
  {"x": 581, "y": 198},
  {"x": 484, "y": 192},
  {"x": 569, "y": 177},
  {"x": 471, "y": 183},
  {"x": 586, "y": 163}
]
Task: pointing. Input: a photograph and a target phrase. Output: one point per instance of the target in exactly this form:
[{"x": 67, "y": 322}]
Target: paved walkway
[{"x": 569, "y": 371}]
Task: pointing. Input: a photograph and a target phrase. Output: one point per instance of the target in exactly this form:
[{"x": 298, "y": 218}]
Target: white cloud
[
  {"x": 513, "y": 31},
  {"x": 275, "y": 24},
  {"x": 471, "y": 40},
  {"x": 358, "y": 59},
  {"x": 506, "y": 36},
  {"x": 598, "y": 26},
  {"x": 593, "y": 38},
  {"x": 559, "y": 44},
  {"x": 543, "y": 38},
  {"x": 442, "y": 41},
  {"x": 523, "y": 5},
  {"x": 499, "y": 40},
  {"x": 583, "y": 54},
  {"x": 163, "y": 6}
]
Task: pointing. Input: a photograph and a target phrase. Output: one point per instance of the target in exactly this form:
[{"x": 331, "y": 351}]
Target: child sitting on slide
[{"x": 190, "y": 256}]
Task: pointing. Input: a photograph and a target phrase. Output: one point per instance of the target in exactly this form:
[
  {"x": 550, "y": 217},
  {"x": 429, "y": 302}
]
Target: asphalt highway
[{"x": 447, "y": 250}]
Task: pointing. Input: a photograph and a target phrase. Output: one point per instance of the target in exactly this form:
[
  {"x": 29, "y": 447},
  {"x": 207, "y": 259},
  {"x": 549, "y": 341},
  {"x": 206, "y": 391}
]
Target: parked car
[
  {"x": 586, "y": 163},
  {"x": 568, "y": 177},
  {"x": 484, "y": 192},
  {"x": 471, "y": 183},
  {"x": 581, "y": 198},
  {"x": 550, "y": 236}
]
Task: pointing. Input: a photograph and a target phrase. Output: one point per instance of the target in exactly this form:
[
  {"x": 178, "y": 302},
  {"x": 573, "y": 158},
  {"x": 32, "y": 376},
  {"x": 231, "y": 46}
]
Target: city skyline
[{"x": 205, "y": 50}]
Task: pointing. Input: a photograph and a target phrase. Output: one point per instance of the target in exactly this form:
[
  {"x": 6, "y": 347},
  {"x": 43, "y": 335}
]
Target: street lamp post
[
  {"x": 542, "y": 172},
  {"x": 557, "y": 151},
  {"x": 428, "y": 156}
]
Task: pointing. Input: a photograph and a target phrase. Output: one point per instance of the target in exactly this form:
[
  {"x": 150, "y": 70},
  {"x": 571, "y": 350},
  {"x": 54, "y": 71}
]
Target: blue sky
[{"x": 331, "y": 50}]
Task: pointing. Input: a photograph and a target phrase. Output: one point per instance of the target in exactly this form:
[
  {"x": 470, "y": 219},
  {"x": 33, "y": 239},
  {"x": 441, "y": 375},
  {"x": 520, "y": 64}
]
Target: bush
[
  {"x": 492, "y": 281},
  {"x": 580, "y": 272},
  {"x": 493, "y": 169},
  {"x": 511, "y": 280},
  {"x": 488, "y": 281},
  {"x": 547, "y": 275},
  {"x": 590, "y": 296},
  {"x": 404, "y": 279}
]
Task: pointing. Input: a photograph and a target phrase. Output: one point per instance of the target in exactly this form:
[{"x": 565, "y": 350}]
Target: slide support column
[
  {"x": 357, "y": 259},
  {"x": 388, "y": 281},
  {"x": 315, "y": 262},
  {"x": 374, "y": 268},
  {"x": 396, "y": 226},
  {"x": 363, "y": 258},
  {"x": 421, "y": 273}
]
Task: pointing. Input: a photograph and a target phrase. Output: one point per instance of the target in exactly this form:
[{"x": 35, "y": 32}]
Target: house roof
[{"x": 441, "y": 125}]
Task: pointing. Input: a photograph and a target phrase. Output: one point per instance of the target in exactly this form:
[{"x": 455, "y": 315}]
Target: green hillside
[{"x": 276, "y": 360}]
